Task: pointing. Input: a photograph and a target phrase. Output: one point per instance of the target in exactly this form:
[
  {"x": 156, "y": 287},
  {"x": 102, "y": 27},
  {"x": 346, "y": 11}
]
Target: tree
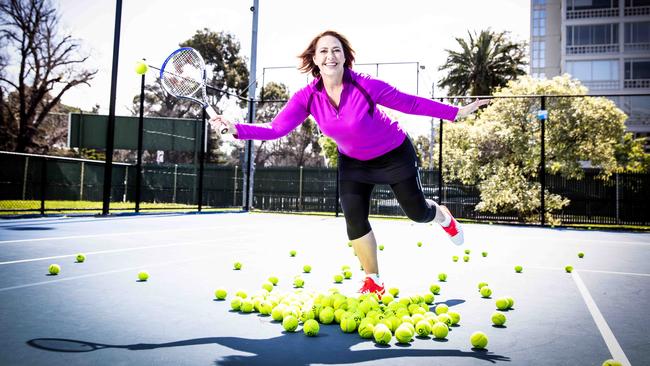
[
  {"x": 498, "y": 150},
  {"x": 299, "y": 148},
  {"x": 48, "y": 65},
  {"x": 485, "y": 62}
]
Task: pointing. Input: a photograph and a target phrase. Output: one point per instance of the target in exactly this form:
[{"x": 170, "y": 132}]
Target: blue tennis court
[{"x": 97, "y": 312}]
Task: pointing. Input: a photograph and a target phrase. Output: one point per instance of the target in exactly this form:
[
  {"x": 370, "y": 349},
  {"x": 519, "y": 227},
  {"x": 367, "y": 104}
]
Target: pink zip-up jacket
[{"x": 360, "y": 130}]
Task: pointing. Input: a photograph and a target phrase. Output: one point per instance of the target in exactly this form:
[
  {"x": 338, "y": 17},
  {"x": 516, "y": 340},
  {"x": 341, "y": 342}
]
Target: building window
[
  {"x": 637, "y": 7},
  {"x": 539, "y": 22},
  {"x": 578, "y": 9},
  {"x": 538, "y": 50},
  {"x": 595, "y": 38},
  {"x": 637, "y": 73},
  {"x": 637, "y": 36},
  {"x": 595, "y": 74}
]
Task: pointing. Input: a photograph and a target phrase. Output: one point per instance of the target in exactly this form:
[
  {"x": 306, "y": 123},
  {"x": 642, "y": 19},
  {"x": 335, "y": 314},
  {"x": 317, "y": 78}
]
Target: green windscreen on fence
[{"x": 165, "y": 134}]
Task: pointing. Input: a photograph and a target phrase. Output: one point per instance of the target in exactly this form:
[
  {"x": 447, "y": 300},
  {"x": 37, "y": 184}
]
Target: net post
[
  {"x": 43, "y": 184},
  {"x": 202, "y": 160}
]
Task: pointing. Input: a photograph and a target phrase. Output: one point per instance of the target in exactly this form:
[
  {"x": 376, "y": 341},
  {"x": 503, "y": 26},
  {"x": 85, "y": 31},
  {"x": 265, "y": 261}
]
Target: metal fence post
[
  {"x": 204, "y": 138},
  {"x": 138, "y": 164},
  {"x": 25, "y": 176},
  {"x": 175, "y": 177},
  {"x": 234, "y": 192},
  {"x": 81, "y": 181},
  {"x": 300, "y": 190},
  {"x": 542, "y": 164},
  {"x": 43, "y": 184}
]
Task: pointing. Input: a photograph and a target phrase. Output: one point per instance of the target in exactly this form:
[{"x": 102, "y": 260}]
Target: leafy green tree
[
  {"x": 631, "y": 156},
  {"x": 330, "y": 151},
  {"x": 499, "y": 150},
  {"x": 485, "y": 62}
]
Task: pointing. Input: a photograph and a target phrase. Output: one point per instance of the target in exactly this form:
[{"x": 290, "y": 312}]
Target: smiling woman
[{"x": 373, "y": 148}]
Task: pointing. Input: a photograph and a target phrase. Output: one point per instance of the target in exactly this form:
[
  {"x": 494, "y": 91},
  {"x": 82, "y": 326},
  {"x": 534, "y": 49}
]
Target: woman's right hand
[{"x": 223, "y": 125}]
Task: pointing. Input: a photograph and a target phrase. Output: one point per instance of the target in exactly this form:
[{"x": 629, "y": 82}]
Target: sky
[{"x": 412, "y": 32}]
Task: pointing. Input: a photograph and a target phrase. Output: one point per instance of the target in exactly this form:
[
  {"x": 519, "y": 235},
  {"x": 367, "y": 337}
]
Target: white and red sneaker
[
  {"x": 370, "y": 286},
  {"x": 454, "y": 230}
]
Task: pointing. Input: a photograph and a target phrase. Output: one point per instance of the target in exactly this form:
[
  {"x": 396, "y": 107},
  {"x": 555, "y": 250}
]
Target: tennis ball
[
  {"x": 481, "y": 284},
  {"x": 268, "y": 286},
  {"x": 498, "y": 318},
  {"x": 440, "y": 330},
  {"x": 143, "y": 275},
  {"x": 298, "y": 282},
  {"x": 277, "y": 312},
  {"x": 241, "y": 294},
  {"x": 290, "y": 323},
  {"x": 442, "y": 277},
  {"x": 454, "y": 258},
  {"x": 266, "y": 308},
  {"x": 568, "y": 269},
  {"x": 348, "y": 324},
  {"x": 511, "y": 302},
  {"x": 366, "y": 328},
  {"x": 311, "y": 328},
  {"x": 403, "y": 333},
  {"x": 441, "y": 309},
  {"x": 435, "y": 289},
  {"x": 350, "y": 244},
  {"x": 467, "y": 251},
  {"x": 306, "y": 268},
  {"x": 81, "y": 258},
  {"x": 419, "y": 244},
  {"x": 455, "y": 317},
  {"x": 423, "y": 328},
  {"x": 54, "y": 269},
  {"x": 581, "y": 255},
  {"x": 484, "y": 254},
  {"x": 273, "y": 280},
  {"x": 347, "y": 274},
  {"x": 326, "y": 315},
  {"x": 141, "y": 68},
  {"x": 345, "y": 267},
  {"x": 387, "y": 299},
  {"x": 611, "y": 362},
  {"x": 393, "y": 291},
  {"x": 237, "y": 266},
  {"x": 382, "y": 334},
  {"x": 518, "y": 269},
  {"x": 486, "y": 291},
  {"x": 220, "y": 294},
  {"x": 381, "y": 247},
  {"x": 247, "y": 306},
  {"x": 466, "y": 258},
  {"x": 235, "y": 304},
  {"x": 428, "y": 299},
  {"x": 292, "y": 253},
  {"x": 502, "y": 303},
  {"x": 478, "y": 340},
  {"x": 338, "y": 278},
  {"x": 445, "y": 318}
]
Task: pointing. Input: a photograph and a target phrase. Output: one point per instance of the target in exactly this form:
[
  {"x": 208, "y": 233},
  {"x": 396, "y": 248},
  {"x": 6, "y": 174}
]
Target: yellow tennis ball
[
  {"x": 478, "y": 339},
  {"x": 441, "y": 308},
  {"x": 54, "y": 269},
  {"x": 454, "y": 258},
  {"x": 467, "y": 251},
  {"x": 568, "y": 269},
  {"x": 481, "y": 284},
  {"x": 141, "y": 68},
  {"x": 347, "y": 274},
  {"x": 268, "y": 286},
  {"x": 502, "y": 303},
  {"x": 518, "y": 269},
  {"x": 611, "y": 362},
  {"x": 292, "y": 253},
  {"x": 423, "y": 328},
  {"x": 381, "y": 246},
  {"x": 241, "y": 294},
  {"x": 442, "y": 277},
  {"x": 498, "y": 318},
  {"x": 274, "y": 280},
  {"x": 445, "y": 318},
  {"x": 484, "y": 254},
  {"x": 247, "y": 306},
  {"x": 348, "y": 324},
  {"x": 419, "y": 244},
  {"x": 382, "y": 334},
  {"x": 403, "y": 333},
  {"x": 366, "y": 329},
  {"x": 143, "y": 275},
  {"x": 440, "y": 330},
  {"x": 428, "y": 299},
  {"x": 298, "y": 282},
  {"x": 326, "y": 315},
  {"x": 235, "y": 304},
  {"x": 486, "y": 291},
  {"x": 311, "y": 328},
  {"x": 455, "y": 317},
  {"x": 338, "y": 278},
  {"x": 81, "y": 258},
  {"x": 277, "y": 312},
  {"x": 387, "y": 299},
  {"x": 393, "y": 291},
  {"x": 220, "y": 294},
  {"x": 306, "y": 268},
  {"x": 511, "y": 302},
  {"x": 581, "y": 255},
  {"x": 435, "y": 289},
  {"x": 237, "y": 266},
  {"x": 466, "y": 258},
  {"x": 290, "y": 323}
]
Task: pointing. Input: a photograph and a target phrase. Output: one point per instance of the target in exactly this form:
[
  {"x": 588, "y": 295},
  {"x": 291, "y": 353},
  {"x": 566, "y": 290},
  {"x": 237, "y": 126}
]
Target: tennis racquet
[{"x": 183, "y": 76}]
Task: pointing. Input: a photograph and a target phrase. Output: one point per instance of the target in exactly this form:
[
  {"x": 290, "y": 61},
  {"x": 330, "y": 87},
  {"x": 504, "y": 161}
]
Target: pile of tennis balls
[{"x": 381, "y": 320}]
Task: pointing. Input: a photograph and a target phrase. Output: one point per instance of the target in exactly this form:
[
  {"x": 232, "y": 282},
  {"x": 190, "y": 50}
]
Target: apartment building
[{"x": 603, "y": 43}]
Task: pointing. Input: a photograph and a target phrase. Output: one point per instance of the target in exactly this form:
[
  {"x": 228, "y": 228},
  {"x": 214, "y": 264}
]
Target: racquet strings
[{"x": 183, "y": 73}]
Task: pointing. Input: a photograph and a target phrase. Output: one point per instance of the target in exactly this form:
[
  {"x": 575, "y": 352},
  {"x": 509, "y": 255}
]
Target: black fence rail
[{"x": 30, "y": 183}]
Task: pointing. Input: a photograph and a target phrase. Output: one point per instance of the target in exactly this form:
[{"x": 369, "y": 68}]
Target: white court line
[
  {"x": 112, "y": 234},
  {"x": 197, "y": 242},
  {"x": 608, "y": 336},
  {"x": 592, "y": 270}
]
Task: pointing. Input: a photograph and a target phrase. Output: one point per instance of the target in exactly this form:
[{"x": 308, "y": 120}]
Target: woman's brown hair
[{"x": 306, "y": 57}]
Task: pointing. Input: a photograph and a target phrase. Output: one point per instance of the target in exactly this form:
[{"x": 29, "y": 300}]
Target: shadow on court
[{"x": 329, "y": 347}]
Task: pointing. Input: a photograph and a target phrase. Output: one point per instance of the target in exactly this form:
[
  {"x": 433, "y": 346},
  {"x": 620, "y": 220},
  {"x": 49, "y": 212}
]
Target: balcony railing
[
  {"x": 633, "y": 47},
  {"x": 637, "y": 10},
  {"x": 601, "y": 84},
  {"x": 636, "y": 83},
  {"x": 593, "y": 48},
  {"x": 592, "y": 13}
]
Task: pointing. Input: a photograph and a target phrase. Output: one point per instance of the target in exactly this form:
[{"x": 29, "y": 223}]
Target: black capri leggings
[{"x": 355, "y": 200}]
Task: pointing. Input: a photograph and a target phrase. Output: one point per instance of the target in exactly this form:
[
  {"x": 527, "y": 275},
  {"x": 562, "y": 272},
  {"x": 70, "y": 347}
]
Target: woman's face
[{"x": 329, "y": 56}]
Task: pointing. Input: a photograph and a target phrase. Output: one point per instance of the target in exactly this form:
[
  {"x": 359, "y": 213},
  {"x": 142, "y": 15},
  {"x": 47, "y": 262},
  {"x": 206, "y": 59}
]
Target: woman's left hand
[{"x": 471, "y": 108}]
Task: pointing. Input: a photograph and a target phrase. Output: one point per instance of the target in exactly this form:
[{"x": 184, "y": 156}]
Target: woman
[{"x": 373, "y": 149}]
